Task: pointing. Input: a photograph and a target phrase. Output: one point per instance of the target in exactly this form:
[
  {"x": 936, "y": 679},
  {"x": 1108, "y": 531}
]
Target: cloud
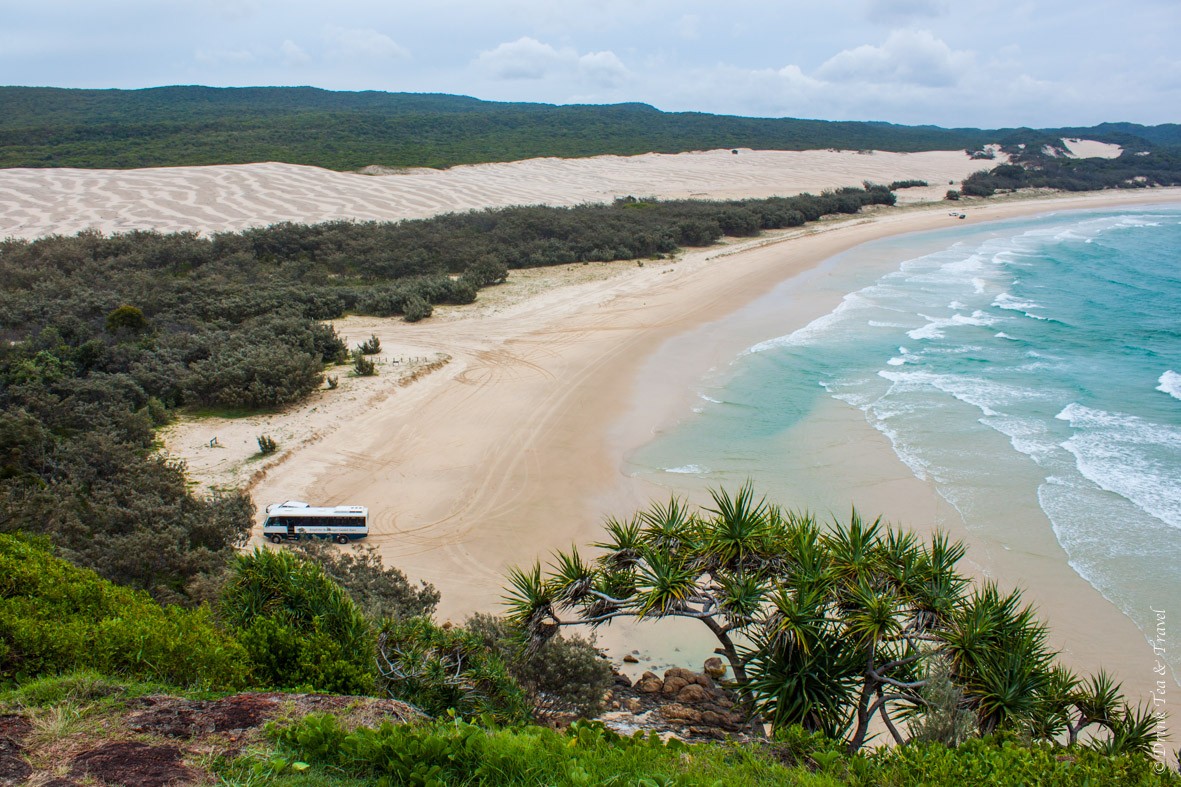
[
  {"x": 603, "y": 69},
  {"x": 364, "y": 43},
  {"x": 293, "y": 54},
  {"x": 525, "y": 58},
  {"x": 906, "y": 57},
  {"x": 528, "y": 58}
]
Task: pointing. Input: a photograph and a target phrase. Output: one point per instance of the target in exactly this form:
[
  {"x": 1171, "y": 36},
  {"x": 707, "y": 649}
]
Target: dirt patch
[
  {"x": 178, "y": 718},
  {"x": 132, "y": 763},
  {"x": 174, "y": 717},
  {"x": 13, "y": 768}
]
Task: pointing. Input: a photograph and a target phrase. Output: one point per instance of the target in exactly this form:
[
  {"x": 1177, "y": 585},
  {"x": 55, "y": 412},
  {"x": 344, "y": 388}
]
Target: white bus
[{"x": 295, "y": 520}]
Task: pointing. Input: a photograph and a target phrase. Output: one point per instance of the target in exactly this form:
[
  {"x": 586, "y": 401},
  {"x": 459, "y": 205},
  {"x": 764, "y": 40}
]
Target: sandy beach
[{"x": 495, "y": 434}]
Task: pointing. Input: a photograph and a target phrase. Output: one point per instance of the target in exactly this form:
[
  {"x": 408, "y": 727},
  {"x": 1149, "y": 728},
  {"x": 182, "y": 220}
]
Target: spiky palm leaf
[
  {"x": 740, "y": 597},
  {"x": 664, "y": 585},
  {"x": 624, "y": 545},
  {"x": 739, "y": 528},
  {"x": 1135, "y": 731},
  {"x": 570, "y": 578},
  {"x": 667, "y": 527},
  {"x": 872, "y": 616},
  {"x": 530, "y": 604},
  {"x": 855, "y": 548}
]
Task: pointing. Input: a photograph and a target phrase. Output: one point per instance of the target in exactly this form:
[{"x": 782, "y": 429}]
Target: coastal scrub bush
[
  {"x": 380, "y": 591},
  {"x": 240, "y": 373},
  {"x": 371, "y": 346},
  {"x": 298, "y": 627},
  {"x": 565, "y": 677},
  {"x": 55, "y": 617},
  {"x": 416, "y": 308},
  {"x": 362, "y": 366},
  {"x": 444, "y": 668}
]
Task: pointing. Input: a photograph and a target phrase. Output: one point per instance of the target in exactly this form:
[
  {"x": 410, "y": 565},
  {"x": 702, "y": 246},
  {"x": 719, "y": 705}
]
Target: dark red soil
[{"x": 133, "y": 764}]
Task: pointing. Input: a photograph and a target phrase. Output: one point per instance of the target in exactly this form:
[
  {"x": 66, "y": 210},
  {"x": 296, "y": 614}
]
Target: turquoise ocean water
[{"x": 1034, "y": 360}]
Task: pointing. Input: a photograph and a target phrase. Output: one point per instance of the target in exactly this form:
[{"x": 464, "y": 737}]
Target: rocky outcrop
[{"x": 683, "y": 703}]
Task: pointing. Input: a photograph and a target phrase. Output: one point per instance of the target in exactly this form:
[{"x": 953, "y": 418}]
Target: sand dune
[{"x": 35, "y": 202}]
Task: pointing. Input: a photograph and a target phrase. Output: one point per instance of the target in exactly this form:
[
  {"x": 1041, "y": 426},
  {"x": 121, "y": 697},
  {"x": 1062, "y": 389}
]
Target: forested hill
[{"x": 173, "y": 126}]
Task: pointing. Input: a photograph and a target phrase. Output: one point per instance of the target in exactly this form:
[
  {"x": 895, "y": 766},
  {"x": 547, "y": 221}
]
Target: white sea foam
[
  {"x": 710, "y": 398},
  {"x": 983, "y": 394},
  {"x": 817, "y": 328},
  {"x": 1170, "y": 383},
  {"x": 1129, "y": 456},
  {"x": 687, "y": 470},
  {"x": 934, "y": 328},
  {"x": 1007, "y": 301}
]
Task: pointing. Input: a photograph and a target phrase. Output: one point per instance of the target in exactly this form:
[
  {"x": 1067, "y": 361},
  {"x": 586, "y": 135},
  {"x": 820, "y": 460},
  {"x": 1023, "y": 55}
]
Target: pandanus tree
[{"x": 825, "y": 626}]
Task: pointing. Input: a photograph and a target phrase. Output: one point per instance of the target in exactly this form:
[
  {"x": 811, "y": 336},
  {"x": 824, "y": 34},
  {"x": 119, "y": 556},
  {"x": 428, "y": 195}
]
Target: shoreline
[{"x": 515, "y": 447}]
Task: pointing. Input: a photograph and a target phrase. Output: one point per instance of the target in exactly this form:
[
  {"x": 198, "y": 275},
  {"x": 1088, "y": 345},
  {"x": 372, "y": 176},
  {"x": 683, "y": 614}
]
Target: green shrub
[
  {"x": 371, "y": 346},
  {"x": 298, "y": 627},
  {"x": 454, "y": 752},
  {"x": 416, "y": 308},
  {"x": 563, "y": 677},
  {"x": 126, "y": 319},
  {"x": 380, "y": 591},
  {"x": 55, "y": 617},
  {"x": 439, "y": 669},
  {"x": 362, "y": 366}
]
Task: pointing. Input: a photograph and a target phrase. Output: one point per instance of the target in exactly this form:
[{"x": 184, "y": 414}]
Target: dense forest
[
  {"x": 105, "y": 336},
  {"x": 174, "y": 126}
]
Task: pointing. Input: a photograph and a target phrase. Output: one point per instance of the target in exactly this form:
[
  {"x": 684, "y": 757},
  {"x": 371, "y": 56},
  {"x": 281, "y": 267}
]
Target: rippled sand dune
[{"x": 35, "y": 202}]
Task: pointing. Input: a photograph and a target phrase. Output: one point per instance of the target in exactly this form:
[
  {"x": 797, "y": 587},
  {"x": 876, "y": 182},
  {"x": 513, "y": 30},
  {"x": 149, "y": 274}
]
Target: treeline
[
  {"x": 104, "y": 336},
  {"x": 1133, "y": 169},
  {"x": 177, "y": 126},
  {"x": 173, "y": 126}
]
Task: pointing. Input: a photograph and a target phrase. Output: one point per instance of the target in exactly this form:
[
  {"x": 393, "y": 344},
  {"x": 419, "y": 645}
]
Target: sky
[{"x": 988, "y": 63}]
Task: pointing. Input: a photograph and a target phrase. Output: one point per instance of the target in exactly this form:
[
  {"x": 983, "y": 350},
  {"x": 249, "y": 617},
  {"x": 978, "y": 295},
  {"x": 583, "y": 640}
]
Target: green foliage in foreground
[
  {"x": 298, "y": 627},
  {"x": 380, "y": 591},
  {"x": 444, "y": 668},
  {"x": 455, "y": 752},
  {"x": 564, "y": 678},
  {"x": 55, "y": 617},
  {"x": 450, "y": 753}
]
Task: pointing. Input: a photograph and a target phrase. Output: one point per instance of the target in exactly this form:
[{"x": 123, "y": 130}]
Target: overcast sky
[{"x": 985, "y": 63}]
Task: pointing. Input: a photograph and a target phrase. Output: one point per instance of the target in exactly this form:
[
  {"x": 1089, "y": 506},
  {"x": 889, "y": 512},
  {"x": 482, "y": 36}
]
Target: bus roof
[{"x": 300, "y": 508}]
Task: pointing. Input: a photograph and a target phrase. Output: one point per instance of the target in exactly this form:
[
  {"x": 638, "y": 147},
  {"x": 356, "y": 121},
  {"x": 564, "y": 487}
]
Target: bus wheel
[
  {"x": 276, "y": 539},
  {"x": 342, "y": 539}
]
